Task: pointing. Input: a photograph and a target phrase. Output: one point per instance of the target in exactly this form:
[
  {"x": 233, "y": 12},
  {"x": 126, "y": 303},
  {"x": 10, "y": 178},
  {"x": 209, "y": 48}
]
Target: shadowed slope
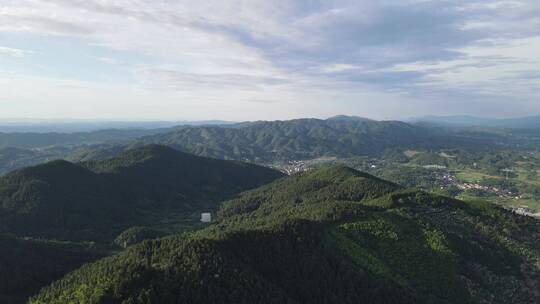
[{"x": 98, "y": 199}]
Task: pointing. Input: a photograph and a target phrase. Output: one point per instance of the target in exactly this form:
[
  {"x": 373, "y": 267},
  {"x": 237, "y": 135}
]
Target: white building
[{"x": 206, "y": 217}]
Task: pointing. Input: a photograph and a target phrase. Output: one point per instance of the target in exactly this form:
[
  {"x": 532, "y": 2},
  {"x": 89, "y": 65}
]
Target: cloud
[
  {"x": 108, "y": 60},
  {"x": 175, "y": 80},
  {"x": 439, "y": 51},
  {"x": 11, "y": 52},
  {"x": 37, "y": 23}
]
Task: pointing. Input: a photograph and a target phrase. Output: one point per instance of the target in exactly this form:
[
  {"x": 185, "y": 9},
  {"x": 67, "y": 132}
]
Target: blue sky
[{"x": 247, "y": 60}]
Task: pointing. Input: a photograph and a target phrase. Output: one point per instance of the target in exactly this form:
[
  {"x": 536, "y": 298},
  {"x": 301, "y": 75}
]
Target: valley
[
  {"x": 358, "y": 236},
  {"x": 464, "y": 177},
  {"x": 355, "y": 191},
  {"x": 269, "y": 152}
]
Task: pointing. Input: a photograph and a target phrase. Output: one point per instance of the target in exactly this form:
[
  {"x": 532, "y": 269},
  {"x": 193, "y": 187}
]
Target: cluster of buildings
[
  {"x": 445, "y": 177},
  {"x": 525, "y": 211},
  {"x": 498, "y": 191},
  {"x": 436, "y": 167},
  {"x": 294, "y": 166}
]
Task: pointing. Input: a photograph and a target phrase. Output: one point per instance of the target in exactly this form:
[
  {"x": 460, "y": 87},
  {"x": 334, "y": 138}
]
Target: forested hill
[
  {"x": 261, "y": 142},
  {"x": 41, "y": 140},
  {"x": 332, "y": 235},
  {"x": 27, "y": 265},
  {"x": 143, "y": 186},
  {"x": 311, "y": 138}
]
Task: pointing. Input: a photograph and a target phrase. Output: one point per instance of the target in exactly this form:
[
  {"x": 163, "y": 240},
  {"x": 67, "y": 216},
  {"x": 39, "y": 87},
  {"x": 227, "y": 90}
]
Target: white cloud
[
  {"x": 338, "y": 67},
  {"x": 11, "y": 52},
  {"x": 109, "y": 60},
  {"x": 236, "y": 51}
]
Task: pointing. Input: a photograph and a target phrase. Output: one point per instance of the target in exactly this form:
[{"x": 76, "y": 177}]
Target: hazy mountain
[
  {"x": 531, "y": 122},
  {"x": 77, "y": 126},
  {"x": 98, "y": 199},
  {"x": 522, "y": 123},
  {"x": 333, "y": 235},
  {"x": 42, "y": 136},
  {"x": 258, "y": 142},
  {"x": 46, "y": 140},
  {"x": 16, "y": 158},
  {"x": 349, "y": 118}
]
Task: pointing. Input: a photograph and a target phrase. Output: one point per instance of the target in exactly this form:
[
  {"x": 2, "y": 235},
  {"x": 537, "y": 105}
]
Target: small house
[{"x": 206, "y": 217}]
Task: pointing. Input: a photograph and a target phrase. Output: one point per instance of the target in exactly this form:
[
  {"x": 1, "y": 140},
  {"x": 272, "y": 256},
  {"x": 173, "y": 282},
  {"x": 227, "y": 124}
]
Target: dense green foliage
[
  {"x": 27, "y": 265},
  {"x": 263, "y": 142},
  {"x": 332, "y": 235},
  {"x": 152, "y": 185},
  {"x": 136, "y": 235},
  {"x": 428, "y": 159},
  {"x": 287, "y": 264},
  {"x": 13, "y": 158},
  {"x": 329, "y": 192},
  {"x": 310, "y": 138}
]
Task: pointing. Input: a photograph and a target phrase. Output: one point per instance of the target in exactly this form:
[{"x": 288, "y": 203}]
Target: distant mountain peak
[
  {"x": 349, "y": 118},
  {"x": 102, "y": 195}
]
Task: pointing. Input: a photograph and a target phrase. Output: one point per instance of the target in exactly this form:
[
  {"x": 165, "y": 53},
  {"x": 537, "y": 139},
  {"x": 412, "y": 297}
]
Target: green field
[{"x": 522, "y": 181}]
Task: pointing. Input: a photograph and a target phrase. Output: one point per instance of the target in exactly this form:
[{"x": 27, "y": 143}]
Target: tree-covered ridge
[
  {"x": 26, "y": 265},
  {"x": 332, "y": 235},
  {"x": 42, "y": 140},
  {"x": 137, "y": 234},
  {"x": 288, "y": 264},
  {"x": 262, "y": 142},
  {"x": 311, "y": 138},
  {"x": 143, "y": 186},
  {"x": 310, "y": 195}
]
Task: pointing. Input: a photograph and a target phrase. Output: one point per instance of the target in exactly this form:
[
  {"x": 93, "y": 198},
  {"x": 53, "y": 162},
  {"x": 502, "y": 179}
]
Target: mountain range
[
  {"x": 125, "y": 228},
  {"x": 79, "y": 126},
  {"x": 96, "y": 200},
  {"x": 529, "y": 122},
  {"x": 262, "y": 142},
  {"x": 56, "y": 216},
  {"x": 342, "y": 136},
  {"x": 332, "y": 235}
]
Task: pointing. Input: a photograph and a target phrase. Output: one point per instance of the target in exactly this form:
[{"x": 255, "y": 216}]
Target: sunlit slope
[{"x": 333, "y": 235}]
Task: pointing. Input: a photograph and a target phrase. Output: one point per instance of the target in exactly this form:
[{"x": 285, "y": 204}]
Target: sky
[{"x": 280, "y": 59}]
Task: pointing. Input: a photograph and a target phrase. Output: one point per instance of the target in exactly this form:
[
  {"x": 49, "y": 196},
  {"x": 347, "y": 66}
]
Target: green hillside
[
  {"x": 151, "y": 185},
  {"x": 311, "y": 138},
  {"x": 332, "y": 235},
  {"x": 261, "y": 142},
  {"x": 27, "y": 265},
  {"x": 42, "y": 140}
]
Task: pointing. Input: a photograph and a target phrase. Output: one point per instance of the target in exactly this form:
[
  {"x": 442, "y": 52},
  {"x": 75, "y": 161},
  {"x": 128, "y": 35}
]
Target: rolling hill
[
  {"x": 43, "y": 140},
  {"x": 332, "y": 235},
  {"x": 27, "y": 265},
  {"x": 342, "y": 136},
  {"x": 262, "y": 142},
  {"x": 150, "y": 185}
]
